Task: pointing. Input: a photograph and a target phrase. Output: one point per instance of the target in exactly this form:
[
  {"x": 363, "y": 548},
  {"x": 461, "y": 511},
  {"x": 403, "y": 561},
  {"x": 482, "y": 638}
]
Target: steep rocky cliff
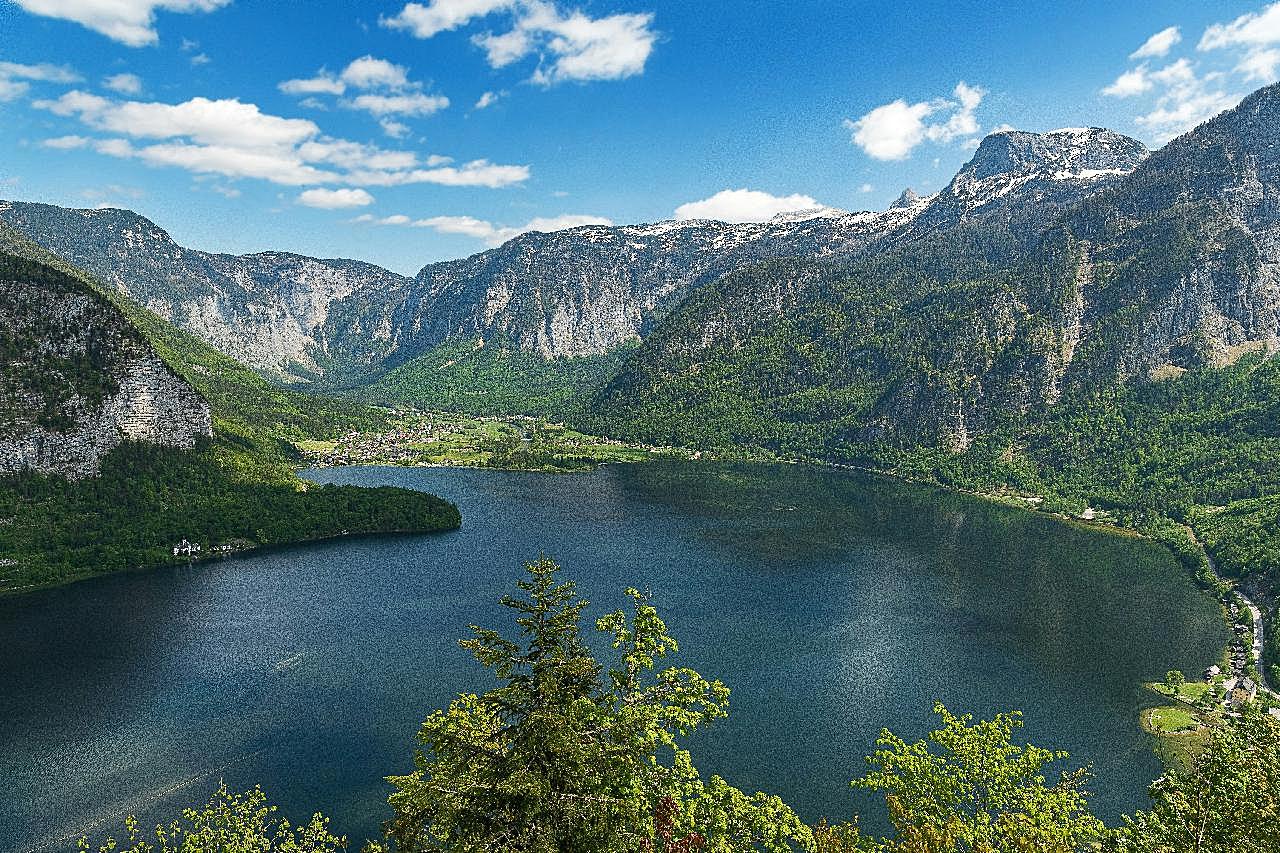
[
  {"x": 1062, "y": 264},
  {"x": 265, "y": 310},
  {"x": 78, "y": 379}
]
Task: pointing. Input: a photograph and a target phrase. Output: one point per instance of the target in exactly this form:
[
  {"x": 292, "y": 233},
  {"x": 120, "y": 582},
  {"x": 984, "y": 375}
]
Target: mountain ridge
[{"x": 580, "y": 292}]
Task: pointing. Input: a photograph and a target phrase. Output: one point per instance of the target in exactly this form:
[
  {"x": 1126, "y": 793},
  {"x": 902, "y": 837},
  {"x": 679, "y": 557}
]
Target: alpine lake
[{"x": 831, "y": 603}]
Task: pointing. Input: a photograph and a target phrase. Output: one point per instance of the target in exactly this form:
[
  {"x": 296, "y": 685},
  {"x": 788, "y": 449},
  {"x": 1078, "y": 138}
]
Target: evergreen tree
[{"x": 565, "y": 756}]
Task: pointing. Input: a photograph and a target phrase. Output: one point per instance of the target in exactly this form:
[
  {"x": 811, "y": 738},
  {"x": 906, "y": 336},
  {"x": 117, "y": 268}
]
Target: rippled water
[{"x": 831, "y": 603}]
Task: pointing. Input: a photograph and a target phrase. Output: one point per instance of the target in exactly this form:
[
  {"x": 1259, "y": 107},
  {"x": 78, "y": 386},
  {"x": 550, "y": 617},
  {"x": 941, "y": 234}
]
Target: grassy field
[
  {"x": 514, "y": 443},
  {"x": 1189, "y": 692},
  {"x": 1172, "y": 719}
]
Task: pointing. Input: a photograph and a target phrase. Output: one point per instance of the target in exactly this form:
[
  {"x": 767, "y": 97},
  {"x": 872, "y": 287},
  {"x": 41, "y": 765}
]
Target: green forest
[{"x": 238, "y": 490}]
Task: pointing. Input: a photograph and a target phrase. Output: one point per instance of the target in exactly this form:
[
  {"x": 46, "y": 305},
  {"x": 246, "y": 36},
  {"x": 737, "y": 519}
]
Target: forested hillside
[{"x": 236, "y": 488}]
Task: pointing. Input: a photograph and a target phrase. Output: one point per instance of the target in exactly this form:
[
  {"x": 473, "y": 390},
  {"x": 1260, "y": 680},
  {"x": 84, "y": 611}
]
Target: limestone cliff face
[
  {"x": 588, "y": 290},
  {"x": 266, "y": 310},
  {"x": 78, "y": 379},
  {"x": 1178, "y": 266}
]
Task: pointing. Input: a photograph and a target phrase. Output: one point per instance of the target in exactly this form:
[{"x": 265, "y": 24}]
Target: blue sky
[{"x": 405, "y": 133}]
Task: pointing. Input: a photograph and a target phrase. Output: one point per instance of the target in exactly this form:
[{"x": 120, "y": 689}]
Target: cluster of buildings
[
  {"x": 1245, "y": 649},
  {"x": 393, "y": 447}
]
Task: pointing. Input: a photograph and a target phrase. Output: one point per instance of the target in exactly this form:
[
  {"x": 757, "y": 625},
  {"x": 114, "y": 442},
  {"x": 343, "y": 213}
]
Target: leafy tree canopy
[
  {"x": 229, "y": 823},
  {"x": 569, "y": 753},
  {"x": 968, "y": 788},
  {"x": 1226, "y": 801}
]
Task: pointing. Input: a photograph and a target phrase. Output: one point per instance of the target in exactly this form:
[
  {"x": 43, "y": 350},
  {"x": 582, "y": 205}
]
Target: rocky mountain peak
[
  {"x": 1007, "y": 160},
  {"x": 1075, "y": 152},
  {"x": 909, "y": 198}
]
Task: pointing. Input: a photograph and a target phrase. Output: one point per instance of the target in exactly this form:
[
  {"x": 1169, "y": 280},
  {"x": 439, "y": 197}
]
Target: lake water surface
[{"x": 831, "y": 603}]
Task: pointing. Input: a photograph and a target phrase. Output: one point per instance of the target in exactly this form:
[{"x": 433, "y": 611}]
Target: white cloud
[
  {"x": 494, "y": 235},
  {"x": 321, "y": 84},
  {"x": 437, "y": 16},
  {"x": 43, "y": 71},
  {"x": 1187, "y": 99},
  {"x": 335, "y": 199},
  {"x": 126, "y": 84},
  {"x": 744, "y": 206},
  {"x": 1260, "y": 65},
  {"x": 130, "y": 22},
  {"x": 15, "y": 78},
  {"x": 488, "y": 99},
  {"x": 386, "y": 87},
  {"x": 1132, "y": 82},
  {"x": 394, "y": 129},
  {"x": 1254, "y": 33},
  {"x": 1255, "y": 29},
  {"x": 571, "y": 46},
  {"x": 1159, "y": 44},
  {"x": 892, "y": 131},
  {"x": 235, "y": 139},
  {"x": 221, "y": 122},
  {"x": 484, "y": 230},
  {"x": 585, "y": 48},
  {"x": 962, "y": 122},
  {"x": 368, "y": 72},
  {"x": 477, "y": 173},
  {"x": 66, "y": 143},
  {"x": 866, "y": 188},
  {"x": 200, "y": 59},
  {"x": 409, "y": 104}
]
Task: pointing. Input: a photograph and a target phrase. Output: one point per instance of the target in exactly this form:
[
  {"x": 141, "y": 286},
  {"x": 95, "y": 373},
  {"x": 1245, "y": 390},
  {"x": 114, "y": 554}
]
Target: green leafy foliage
[
  {"x": 239, "y": 489},
  {"x": 968, "y": 787},
  {"x": 229, "y": 823},
  {"x": 1227, "y": 801},
  {"x": 572, "y": 754}
]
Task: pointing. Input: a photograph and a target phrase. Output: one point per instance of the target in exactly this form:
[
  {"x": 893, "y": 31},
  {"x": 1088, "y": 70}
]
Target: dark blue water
[{"x": 832, "y": 604}]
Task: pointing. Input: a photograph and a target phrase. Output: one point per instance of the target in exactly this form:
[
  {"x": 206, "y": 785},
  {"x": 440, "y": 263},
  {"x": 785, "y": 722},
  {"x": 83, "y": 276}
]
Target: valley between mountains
[{"x": 1074, "y": 324}]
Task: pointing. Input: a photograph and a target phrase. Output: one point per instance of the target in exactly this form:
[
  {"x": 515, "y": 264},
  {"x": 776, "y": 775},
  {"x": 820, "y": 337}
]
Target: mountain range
[{"x": 1052, "y": 265}]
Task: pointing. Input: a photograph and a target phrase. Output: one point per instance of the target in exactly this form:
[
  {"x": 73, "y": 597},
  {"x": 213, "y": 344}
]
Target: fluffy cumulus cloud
[
  {"x": 744, "y": 206},
  {"x": 485, "y": 231},
  {"x": 487, "y": 100},
  {"x": 1175, "y": 95},
  {"x": 1159, "y": 44},
  {"x": 16, "y": 78},
  {"x": 441, "y": 15},
  {"x": 1185, "y": 99},
  {"x": 1254, "y": 29},
  {"x": 1255, "y": 35},
  {"x": 66, "y": 143},
  {"x": 571, "y": 45},
  {"x": 335, "y": 199},
  {"x": 385, "y": 91},
  {"x": 404, "y": 104},
  {"x": 1133, "y": 82},
  {"x": 892, "y": 131},
  {"x": 130, "y": 22},
  {"x": 233, "y": 139},
  {"x": 1259, "y": 65},
  {"x": 125, "y": 84}
]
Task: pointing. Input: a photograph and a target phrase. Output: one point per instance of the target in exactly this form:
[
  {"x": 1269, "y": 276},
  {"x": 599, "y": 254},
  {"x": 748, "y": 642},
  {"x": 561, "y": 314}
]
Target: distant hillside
[
  {"x": 113, "y": 460},
  {"x": 973, "y": 320},
  {"x": 584, "y": 293},
  {"x": 79, "y": 379}
]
